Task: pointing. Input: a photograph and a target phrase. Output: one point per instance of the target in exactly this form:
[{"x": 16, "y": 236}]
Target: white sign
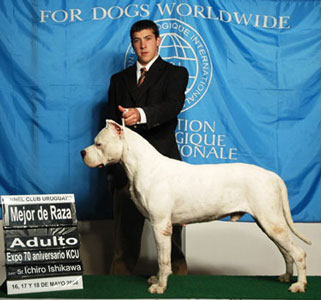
[
  {"x": 41, "y": 240},
  {"x": 48, "y": 284}
]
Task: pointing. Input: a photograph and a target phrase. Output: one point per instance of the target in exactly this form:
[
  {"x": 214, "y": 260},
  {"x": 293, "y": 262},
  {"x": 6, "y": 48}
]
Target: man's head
[
  {"x": 144, "y": 24},
  {"x": 145, "y": 40}
]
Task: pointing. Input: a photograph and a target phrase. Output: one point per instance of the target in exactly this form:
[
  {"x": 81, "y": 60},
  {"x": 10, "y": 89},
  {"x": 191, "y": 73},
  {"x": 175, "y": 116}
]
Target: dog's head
[{"x": 107, "y": 148}]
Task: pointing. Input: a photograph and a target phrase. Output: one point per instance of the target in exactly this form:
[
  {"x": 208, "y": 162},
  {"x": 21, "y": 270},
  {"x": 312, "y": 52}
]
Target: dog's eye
[{"x": 98, "y": 144}]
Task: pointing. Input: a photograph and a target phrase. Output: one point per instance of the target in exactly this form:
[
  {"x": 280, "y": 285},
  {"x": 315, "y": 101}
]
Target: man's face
[{"x": 145, "y": 45}]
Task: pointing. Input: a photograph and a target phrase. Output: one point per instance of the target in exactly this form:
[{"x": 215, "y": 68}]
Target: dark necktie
[{"x": 143, "y": 72}]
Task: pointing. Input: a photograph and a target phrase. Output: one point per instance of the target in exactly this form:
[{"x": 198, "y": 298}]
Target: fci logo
[{"x": 182, "y": 45}]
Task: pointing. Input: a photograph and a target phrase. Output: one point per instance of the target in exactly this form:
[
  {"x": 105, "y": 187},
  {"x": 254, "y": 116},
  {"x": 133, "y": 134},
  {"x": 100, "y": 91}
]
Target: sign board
[
  {"x": 46, "y": 284},
  {"x": 41, "y": 243}
]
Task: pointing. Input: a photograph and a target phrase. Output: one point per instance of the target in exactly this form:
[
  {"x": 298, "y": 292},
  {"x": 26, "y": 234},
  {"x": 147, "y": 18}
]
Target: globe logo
[
  {"x": 182, "y": 45},
  {"x": 176, "y": 50}
]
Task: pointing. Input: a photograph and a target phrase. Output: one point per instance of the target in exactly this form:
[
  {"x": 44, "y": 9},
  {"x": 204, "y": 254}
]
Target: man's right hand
[{"x": 131, "y": 115}]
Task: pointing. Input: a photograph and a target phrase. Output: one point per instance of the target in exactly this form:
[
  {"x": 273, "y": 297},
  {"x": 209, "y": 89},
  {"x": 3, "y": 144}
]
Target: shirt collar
[{"x": 139, "y": 66}]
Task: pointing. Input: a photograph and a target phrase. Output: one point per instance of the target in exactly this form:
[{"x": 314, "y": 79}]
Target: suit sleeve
[
  {"x": 112, "y": 105},
  {"x": 118, "y": 176},
  {"x": 173, "y": 98}
]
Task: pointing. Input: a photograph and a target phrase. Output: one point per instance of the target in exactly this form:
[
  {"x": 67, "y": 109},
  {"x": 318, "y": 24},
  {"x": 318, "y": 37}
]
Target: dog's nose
[{"x": 83, "y": 153}]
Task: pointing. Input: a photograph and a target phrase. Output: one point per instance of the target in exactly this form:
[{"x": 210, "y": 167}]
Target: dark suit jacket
[{"x": 161, "y": 96}]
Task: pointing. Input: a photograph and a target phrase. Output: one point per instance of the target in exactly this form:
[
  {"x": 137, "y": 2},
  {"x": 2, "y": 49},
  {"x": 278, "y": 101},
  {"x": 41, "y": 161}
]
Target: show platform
[{"x": 181, "y": 287}]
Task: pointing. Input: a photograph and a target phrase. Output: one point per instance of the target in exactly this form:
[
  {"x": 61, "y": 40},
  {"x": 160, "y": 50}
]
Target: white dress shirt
[{"x": 143, "y": 119}]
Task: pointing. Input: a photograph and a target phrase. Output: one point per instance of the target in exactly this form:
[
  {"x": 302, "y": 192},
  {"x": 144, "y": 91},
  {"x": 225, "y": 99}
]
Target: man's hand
[{"x": 131, "y": 115}]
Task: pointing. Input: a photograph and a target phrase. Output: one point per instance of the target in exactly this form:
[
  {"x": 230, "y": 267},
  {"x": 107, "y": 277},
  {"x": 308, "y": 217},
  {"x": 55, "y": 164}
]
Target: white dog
[{"x": 168, "y": 191}]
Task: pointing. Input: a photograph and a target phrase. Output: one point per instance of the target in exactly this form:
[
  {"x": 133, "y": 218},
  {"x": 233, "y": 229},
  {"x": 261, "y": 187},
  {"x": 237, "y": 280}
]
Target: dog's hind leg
[
  {"x": 162, "y": 235},
  {"x": 280, "y": 234},
  {"x": 287, "y": 258},
  {"x": 289, "y": 266}
]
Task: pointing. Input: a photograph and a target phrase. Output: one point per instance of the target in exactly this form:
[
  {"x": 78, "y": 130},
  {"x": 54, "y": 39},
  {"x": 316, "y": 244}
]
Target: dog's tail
[{"x": 287, "y": 212}]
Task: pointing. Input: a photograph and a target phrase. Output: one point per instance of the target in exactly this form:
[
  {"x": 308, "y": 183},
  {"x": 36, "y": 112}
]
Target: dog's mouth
[{"x": 100, "y": 166}]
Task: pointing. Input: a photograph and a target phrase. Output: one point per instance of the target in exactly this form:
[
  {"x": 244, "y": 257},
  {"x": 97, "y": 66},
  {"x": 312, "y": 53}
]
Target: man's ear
[{"x": 115, "y": 127}]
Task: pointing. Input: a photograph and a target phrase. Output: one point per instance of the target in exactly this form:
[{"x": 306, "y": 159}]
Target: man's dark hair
[{"x": 144, "y": 24}]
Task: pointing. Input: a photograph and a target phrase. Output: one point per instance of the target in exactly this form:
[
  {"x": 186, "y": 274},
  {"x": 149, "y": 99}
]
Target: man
[{"x": 149, "y": 104}]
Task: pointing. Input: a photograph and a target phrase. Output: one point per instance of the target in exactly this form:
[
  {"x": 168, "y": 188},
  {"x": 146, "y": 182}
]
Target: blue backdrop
[{"x": 254, "y": 92}]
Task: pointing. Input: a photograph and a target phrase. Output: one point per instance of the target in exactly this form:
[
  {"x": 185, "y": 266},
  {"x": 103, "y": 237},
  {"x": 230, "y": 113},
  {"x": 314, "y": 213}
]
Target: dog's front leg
[{"x": 162, "y": 234}]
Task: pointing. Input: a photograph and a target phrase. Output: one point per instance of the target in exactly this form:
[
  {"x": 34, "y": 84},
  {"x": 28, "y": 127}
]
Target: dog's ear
[{"x": 115, "y": 127}]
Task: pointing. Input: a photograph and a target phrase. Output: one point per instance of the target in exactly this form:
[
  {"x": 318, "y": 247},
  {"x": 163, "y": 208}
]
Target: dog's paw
[
  {"x": 152, "y": 280},
  {"x": 298, "y": 287},
  {"x": 285, "y": 278},
  {"x": 156, "y": 289}
]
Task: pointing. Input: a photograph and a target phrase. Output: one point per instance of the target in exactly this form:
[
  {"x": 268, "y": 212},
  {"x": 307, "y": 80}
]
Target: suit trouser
[{"x": 128, "y": 228}]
